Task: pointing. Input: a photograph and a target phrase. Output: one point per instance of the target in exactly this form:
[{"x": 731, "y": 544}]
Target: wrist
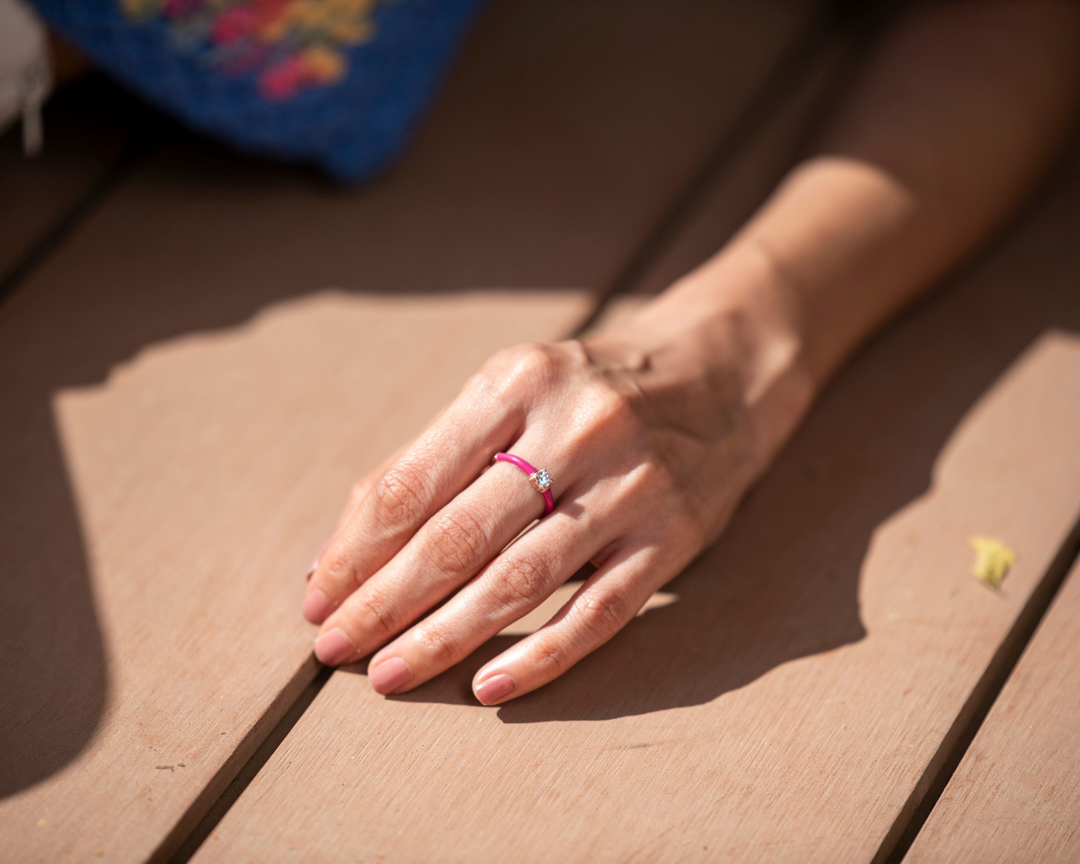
[{"x": 728, "y": 335}]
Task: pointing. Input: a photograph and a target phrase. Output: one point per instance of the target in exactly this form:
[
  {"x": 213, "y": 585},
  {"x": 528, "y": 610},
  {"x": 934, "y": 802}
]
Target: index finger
[{"x": 442, "y": 462}]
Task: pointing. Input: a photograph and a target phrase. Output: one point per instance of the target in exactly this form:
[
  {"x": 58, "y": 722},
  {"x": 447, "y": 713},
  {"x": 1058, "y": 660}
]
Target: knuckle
[
  {"x": 439, "y": 643},
  {"x": 603, "y": 413},
  {"x": 691, "y": 529},
  {"x": 483, "y": 386},
  {"x": 402, "y": 495},
  {"x": 521, "y": 584},
  {"x": 532, "y": 363},
  {"x": 357, "y": 492},
  {"x": 513, "y": 377},
  {"x": 376, "y": 614},
  {"x": 609, "y": 408},
  {"x": 457, "y": 542},
  {"x": 651, "y": 480},
  {"x": 549, "y": 658},
  {"x": 611, "y": 401},
  {"x": 340, "y": 568},
  {"x": 603, "y": 616}
]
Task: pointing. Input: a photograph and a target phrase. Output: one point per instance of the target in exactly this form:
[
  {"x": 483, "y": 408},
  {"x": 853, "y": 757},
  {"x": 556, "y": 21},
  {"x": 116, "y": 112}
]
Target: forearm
[
  {"x": 952, "y": 120},
  {"x": 955, "y": 117},
  {"x": 653, "y": 432}
]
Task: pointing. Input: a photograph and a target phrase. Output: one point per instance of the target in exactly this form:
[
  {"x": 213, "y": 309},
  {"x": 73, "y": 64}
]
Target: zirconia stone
[{"x": 542, "y": 479}]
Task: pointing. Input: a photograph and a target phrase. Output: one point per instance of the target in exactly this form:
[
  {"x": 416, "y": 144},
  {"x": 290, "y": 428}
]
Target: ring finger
[{"x": 451, "y": 548}]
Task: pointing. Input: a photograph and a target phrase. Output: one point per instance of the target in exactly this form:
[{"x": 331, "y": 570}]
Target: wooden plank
[
  {"x": 88, "y": 127},
  {"x": 740, "y": 184},
  {"x": 1014, "y": 796},
  {"x": 728, "y": 194},
  {"x": 184, "y": 409},
  {"x": 817, "y": 665},
  {"x": 202, "y": 473}
]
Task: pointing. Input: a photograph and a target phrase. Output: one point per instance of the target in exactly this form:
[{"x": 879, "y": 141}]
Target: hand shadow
[
  {"x": 54, "y": 681},
  {"x": 783, "y": 582},
  {"x": 769, "y": 591}
]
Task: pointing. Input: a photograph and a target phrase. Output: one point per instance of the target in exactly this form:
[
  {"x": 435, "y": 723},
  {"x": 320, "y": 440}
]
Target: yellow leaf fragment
[{"x": 992, "y": 560}]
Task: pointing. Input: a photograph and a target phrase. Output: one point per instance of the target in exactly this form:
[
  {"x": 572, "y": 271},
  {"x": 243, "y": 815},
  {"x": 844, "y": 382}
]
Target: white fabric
[{"x": 25, "y": 78}]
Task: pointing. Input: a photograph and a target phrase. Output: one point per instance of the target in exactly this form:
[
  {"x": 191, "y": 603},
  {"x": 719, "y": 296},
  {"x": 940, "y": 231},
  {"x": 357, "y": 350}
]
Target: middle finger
[{"x": 451, "y": 548}]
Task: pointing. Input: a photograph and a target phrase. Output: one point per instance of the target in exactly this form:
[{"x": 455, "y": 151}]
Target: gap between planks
[
  {"x": 112, "y": 178},
  {"x": 822, "y": 34},
  {"x": 247, "y": 773},
  {"x": 969, "y": 720},
  {"x": 817, "y": 39},
  {"x": 208, "y": 790},
  {"x": 911, "y": 819}
]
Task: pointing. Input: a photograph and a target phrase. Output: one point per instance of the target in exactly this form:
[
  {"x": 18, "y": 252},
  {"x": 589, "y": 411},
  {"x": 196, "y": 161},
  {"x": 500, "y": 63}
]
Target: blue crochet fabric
[{"x": 347, "y": 102}]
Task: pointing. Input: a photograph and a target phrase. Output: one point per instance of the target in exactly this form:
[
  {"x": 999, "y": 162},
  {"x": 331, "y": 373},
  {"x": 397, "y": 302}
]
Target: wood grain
[
  {"x": 1014, "y": 796},
  {"x": 184, "y": 405},
  {"x": 204, "y": 474},
  {"x": 817, "y": 666}
]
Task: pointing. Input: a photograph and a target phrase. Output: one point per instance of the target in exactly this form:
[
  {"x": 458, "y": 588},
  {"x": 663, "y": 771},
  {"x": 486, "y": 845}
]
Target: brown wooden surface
[
  {"x": 203, "y": 473},
  {"x": 728, "y": 196},
  {"x": 819, "y": 664},
  {"x": 1015, "y": 795},
  {"x": 185, "y": 405},
  {"x": 88, "y": 128}
]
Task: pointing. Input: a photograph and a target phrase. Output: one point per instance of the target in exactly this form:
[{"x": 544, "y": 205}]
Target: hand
[{"x": 651, "y": 436}]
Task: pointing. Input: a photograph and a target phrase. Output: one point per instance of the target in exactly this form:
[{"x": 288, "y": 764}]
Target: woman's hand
[{"x": 651, "y": 435}]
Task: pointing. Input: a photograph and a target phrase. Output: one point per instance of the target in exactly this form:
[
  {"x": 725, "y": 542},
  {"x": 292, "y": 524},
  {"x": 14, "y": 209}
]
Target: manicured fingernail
[
  {"x": 334, "y": 647},
  {"x": 389, "y": 675},
  {"x": 491, "y": 690},
  {"x": 318, "y": 556},
  {"x": 317, "y": 607}
]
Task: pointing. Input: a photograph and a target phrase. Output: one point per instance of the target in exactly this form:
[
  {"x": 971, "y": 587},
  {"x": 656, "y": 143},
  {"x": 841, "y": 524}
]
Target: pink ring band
[{"x": 540, "y": 478}]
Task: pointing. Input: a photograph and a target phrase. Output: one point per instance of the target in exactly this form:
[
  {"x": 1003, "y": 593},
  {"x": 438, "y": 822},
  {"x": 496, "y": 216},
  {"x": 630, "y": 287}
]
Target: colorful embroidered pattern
[
  {"x": 342, "y": 83},
  {"x": 289, "y": 45}
]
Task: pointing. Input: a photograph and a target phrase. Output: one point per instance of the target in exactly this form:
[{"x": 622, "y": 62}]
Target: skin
[{"x": 653, "y": 432}]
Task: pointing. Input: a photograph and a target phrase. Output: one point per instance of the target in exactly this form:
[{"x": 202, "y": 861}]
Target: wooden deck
[{"x": 200, "y": 352}]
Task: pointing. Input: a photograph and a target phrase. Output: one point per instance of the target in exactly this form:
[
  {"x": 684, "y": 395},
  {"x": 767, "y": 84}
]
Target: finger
[
  {"x": 356, "y": 494},
  {"x": 515, "y": 583},
  {"x": 442, "y": 462},
  {"x": 448, "y": 551},
  {"x": 607, "y": 601}
]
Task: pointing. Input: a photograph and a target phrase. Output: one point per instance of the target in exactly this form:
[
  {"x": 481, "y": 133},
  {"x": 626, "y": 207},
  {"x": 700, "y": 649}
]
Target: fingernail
[
  {"x": 334, "y": 647},
  {"x": 318, "y": 556},
  {"x": 317, "y": 607},
  {"x": 389, "y": 675},
  {"x": 491, "y": 690}
]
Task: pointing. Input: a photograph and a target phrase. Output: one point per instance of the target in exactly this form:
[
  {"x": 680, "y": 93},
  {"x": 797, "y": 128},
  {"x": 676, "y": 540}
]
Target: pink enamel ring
[{"x": 540, "y": 478}]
